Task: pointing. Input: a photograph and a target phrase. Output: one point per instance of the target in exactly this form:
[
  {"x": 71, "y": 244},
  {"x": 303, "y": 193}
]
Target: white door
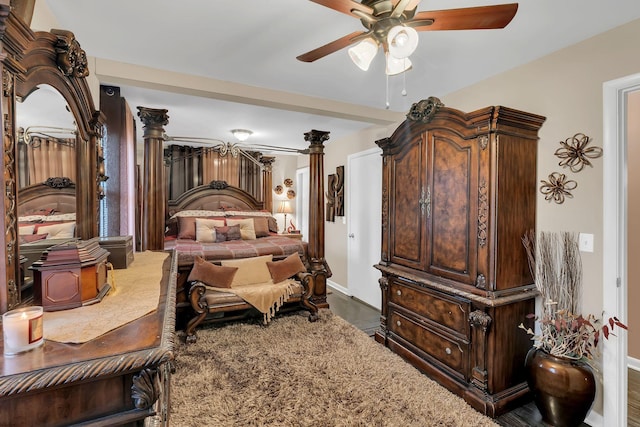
[{"x": 364, "y": 224}]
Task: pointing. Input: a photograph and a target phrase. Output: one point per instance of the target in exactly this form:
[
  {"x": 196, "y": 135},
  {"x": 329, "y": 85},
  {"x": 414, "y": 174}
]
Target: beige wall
[
  {"x": 284, "y": 167},
  {"x": 633, "y": 225}
]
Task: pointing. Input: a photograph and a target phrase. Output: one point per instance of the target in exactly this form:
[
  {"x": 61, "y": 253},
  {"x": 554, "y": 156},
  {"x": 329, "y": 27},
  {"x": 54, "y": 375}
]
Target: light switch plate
[{"x": 586, "y": 242}]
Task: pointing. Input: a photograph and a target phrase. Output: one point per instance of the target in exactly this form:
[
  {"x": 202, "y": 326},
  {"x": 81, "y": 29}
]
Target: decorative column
[
  {"x": 267, "y": 181},
  {"x": 153, "y": 189},
  {"x": 318, "y": 264}
]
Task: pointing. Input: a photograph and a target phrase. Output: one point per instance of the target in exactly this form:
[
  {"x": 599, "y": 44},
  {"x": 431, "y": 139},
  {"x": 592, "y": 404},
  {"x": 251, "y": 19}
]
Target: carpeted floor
[{"x": 297, "y": 373}]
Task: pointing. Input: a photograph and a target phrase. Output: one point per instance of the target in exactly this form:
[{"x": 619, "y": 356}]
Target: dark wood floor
[
  {"x": 367, "y": 318},
  {"x": 633, "y": 400}
]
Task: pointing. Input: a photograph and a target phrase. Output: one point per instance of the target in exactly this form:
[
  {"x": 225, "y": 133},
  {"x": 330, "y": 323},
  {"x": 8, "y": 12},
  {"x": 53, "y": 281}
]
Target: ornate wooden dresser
[
  {"x": 458, "y": 194},
  {"x": 119, "y": 378}
]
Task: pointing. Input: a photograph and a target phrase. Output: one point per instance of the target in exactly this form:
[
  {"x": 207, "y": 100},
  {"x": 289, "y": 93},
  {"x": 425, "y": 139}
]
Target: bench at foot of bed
[{"x": 211, "y": 306}]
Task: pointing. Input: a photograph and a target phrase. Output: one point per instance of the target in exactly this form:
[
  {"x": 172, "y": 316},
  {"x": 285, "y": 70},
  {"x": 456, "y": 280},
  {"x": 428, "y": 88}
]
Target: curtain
[
  {"x": 188, "y": 167},
  {"x": 49, "y": 158}
]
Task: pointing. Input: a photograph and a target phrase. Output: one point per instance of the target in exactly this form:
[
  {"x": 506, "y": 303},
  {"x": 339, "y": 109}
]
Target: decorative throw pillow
[
  {"x": 247, "y": 232},
  {"x": 211, "y": 274},
  {"x": 230, "y": 232},
  {"x": 28, "y": 238},
  {"x": 58, "y": 231},
  {"x": 286, "y": 268},
  {"x": 187, "y": 227},
  {"x": 261, "y": 226},
  {"x": 206, "y": 229},
  {"x": 250, "y": 270}
]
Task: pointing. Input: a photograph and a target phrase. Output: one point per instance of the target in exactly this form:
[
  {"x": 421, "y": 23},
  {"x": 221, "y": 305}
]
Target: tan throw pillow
[
  {"x": 226, "y": 233},
  {"x": 211, "y": 274},
  {"x": 187, "y": 227},
  {"x": 206, "y": 229},
  {"x": 286, "y": 268},
  {"x": 247, "y": 232},
  {"x": 250, "y": 270},
  {"x": 261, "y": 225}
]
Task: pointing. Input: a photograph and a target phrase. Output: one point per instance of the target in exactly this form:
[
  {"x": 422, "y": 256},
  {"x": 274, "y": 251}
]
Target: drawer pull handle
[
  {"x": 398, "y": 323},
  {"x": 447, "y": 350},
  {"x": 399, "y": 292},
  {"x": 450, "y": 313}
]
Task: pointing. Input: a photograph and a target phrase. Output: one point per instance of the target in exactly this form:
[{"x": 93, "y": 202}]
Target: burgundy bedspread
[{"x": 274, "y": 245}]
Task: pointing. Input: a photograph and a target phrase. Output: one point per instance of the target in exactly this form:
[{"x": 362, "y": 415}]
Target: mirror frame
[{"x": 28, "y": 59}]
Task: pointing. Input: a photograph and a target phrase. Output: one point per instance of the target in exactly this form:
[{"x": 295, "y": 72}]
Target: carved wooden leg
[
  {"x": 308, "y": 284},
  {"x": 200, "y": 307}
]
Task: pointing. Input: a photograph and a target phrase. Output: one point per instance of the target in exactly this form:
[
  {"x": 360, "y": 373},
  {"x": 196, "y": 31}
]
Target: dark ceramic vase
[{"x": 563, "y": 389}]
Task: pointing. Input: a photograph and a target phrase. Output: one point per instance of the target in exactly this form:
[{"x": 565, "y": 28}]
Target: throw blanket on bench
[{"x": 266, "y": 297}]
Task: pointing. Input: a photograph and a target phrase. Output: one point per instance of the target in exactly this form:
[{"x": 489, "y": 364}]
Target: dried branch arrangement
[{"x": 557, "y": 268}]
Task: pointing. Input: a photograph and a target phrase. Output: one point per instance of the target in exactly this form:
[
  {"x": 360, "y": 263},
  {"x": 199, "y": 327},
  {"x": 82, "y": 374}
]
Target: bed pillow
[
  {"x": 228, "y": 233},
  {"x": 206, "y": 229},
  {"x": 250, "y": 270},
  {"x": 210, "y": 274},
  {"x": 26, "y": 229},
  {"x": 58, "y": 231},
  {"x": 247, "y": 231},
  {"x": 261, "y": 226},
  {"x": 286, "y": 268}
]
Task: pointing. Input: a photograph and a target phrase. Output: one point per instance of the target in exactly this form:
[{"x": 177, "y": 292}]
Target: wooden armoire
[{"x": 458, "y": 194}]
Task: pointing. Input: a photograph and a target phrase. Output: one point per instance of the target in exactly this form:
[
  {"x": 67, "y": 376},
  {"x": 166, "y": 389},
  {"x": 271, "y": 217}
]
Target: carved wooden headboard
[
  {"x": 217, "y": 195},
  {"x": 58, "y": 194}
]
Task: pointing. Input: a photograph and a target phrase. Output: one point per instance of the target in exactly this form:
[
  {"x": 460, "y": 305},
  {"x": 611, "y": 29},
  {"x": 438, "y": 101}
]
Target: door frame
[{"x": 615, "y": 284}]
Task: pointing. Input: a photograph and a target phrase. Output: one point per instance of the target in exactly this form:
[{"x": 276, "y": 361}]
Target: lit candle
[{"x": 22, "y": 329}]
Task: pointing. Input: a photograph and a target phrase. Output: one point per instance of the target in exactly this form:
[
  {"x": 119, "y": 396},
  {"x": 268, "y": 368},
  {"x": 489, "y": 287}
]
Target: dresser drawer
[
  {"x": 449, "y": 312},
  {"x": 451, "y": 352}
]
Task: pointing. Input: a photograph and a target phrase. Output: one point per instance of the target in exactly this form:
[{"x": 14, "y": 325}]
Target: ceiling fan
[{"x": 393, "y": 24}]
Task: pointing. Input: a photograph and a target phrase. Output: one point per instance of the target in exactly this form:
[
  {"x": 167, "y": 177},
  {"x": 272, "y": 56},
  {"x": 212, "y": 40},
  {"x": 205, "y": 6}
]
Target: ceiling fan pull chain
[
  {"x": 404, "y": 83},
  {"x": 387, "y": 101}
]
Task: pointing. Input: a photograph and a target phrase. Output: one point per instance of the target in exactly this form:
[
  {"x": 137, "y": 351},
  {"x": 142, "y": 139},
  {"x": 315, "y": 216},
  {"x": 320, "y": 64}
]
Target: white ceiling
[{"x": 255, "y": 43}]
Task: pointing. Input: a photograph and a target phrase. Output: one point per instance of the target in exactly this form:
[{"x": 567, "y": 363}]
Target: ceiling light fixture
[
  {"x": 402, "y": 41},
  {"x": 397, "y": 66},
  {"x": 399, "y": 43},
  {"x": 241, "y": 134},
  {"x": 363, "y": 53}
]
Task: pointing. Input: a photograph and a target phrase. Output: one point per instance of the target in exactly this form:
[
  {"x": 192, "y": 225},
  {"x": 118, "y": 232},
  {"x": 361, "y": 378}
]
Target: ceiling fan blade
[
  {"x": 344, "y": 6},
  {"x": 401, "y": 5},
  {"x": 335, "y": 45},
  {"x": 469, "y": 18}
]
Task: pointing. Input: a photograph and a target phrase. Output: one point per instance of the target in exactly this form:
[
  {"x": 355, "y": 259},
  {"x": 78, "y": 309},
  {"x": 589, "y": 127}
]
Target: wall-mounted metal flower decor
[
  {"x": 575, "y": 154},
  {"x": 558, "y": 187}
]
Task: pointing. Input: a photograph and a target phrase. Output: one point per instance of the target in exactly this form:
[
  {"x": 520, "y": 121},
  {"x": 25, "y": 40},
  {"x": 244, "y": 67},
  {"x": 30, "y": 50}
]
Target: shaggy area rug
[{"x": 296, "y": 373}]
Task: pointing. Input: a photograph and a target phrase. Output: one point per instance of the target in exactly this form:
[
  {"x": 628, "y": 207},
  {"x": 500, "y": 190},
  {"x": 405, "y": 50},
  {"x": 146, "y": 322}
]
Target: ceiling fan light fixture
[
  {"x": 363, "y": 53},
  {"x": 402, "y": 41},
  {"x": 397, "y": 66},
  {"x": 241, "y": 134}
]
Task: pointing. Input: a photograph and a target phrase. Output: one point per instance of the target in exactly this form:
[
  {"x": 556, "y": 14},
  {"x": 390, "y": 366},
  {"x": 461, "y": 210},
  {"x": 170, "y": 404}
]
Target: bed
[
  {"x": 47, "y": 211},
  {"x": 213, "y": 209}
]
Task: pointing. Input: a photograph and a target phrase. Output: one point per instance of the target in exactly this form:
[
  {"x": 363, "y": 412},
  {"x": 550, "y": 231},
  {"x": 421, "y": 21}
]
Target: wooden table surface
[{"x": 145, "y": 343}]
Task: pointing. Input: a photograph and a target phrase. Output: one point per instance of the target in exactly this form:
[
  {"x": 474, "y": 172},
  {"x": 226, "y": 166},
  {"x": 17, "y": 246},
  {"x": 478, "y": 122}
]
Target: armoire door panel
[
  {"x": 407, "y": 227},
  {"x": 452, "y": 178}
]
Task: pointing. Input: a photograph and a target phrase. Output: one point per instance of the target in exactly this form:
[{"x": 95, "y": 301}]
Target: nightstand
[{"x": 297, "y": 236}]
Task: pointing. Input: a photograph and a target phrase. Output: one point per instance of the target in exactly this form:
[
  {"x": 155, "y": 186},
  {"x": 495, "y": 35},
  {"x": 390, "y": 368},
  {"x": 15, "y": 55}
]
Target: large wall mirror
[
  {"x": 46, "y": 138},
  {"x": 52, "y": 153}
]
